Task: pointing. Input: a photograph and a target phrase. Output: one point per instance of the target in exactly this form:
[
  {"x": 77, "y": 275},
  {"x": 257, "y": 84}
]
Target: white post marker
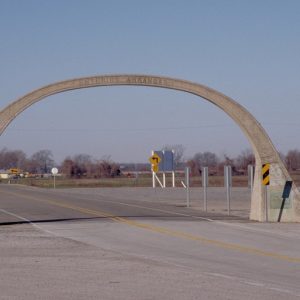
[
  {"x": 164, "y": 179},
  {"x": 204, "y": 185},
  {"x": 173, "y": 179},
  {"x": 54, "y": 172},
  {"x": 187, "y": 183},
  {"x": 153, "y": 179},
  {"x": 158, "y": 180},
  {"x": 266, "y": 188},
  {"x": 228, "y": 183},
  {"x": 173, "y": 171}
]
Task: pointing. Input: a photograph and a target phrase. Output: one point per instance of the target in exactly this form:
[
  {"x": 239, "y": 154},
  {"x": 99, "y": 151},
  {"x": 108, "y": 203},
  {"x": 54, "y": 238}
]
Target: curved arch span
[{"x": 262, "y": 146}]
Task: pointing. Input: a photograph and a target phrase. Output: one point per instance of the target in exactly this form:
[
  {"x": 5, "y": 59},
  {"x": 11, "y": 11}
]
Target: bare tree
[
  {"x": 205, "y": 159},
  {"x": 68, "y": 167},
  {"x": 195, "y": 170},
  {"x": 226, "y": 161},
  {"x": 107, "y": 168},
  {"x": 41, "y": 161},
  {"x": 83, "y": 165},
  {"x": 178, "y": 152},
  {"x": 243, "y": 160},
  {"x": 12, "y": 159},
  {"x": 292, "y": 160}
]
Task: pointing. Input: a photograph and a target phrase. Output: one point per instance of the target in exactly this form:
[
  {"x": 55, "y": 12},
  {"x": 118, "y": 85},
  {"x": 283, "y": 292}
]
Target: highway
[{"x": 140, "y": 244}]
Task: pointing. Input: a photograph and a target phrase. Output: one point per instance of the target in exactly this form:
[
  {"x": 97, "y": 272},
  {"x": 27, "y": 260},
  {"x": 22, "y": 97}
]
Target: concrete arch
[{"x": 262, "y": 146}]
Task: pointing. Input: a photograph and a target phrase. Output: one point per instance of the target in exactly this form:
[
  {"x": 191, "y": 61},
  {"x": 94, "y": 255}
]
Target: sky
[{"x": 248, "y": 50}]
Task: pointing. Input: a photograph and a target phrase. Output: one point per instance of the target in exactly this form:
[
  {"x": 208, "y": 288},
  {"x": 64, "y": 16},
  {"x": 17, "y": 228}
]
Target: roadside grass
[{"x": 142, "y": 180}]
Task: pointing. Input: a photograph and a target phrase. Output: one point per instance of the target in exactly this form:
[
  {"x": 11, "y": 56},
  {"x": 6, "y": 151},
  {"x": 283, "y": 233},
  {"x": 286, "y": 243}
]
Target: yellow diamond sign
[
  {"x": 154, "y": 159},
  {"x": 155, "y": 168}
]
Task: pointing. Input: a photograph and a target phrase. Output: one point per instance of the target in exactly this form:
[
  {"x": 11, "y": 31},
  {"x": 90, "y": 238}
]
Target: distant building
[{"x": 4, "y": 174}]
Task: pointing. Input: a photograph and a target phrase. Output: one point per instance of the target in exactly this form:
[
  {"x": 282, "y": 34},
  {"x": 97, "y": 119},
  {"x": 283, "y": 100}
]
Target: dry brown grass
[{"x": 144, "y": 180}]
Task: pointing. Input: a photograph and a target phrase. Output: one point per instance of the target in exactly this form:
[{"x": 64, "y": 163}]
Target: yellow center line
[{"x": 166, "y": 231}]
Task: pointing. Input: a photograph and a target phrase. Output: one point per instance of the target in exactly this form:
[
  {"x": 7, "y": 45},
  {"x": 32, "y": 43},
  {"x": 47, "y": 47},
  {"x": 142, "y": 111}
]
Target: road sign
[
  {"x": 154, "y": 159},
  {"x": 266, "y": 174},
  {"x": 168, "y": 161},
  {"x": 54, "y": 171},
  {"x": 155, "y": 168},
  {"x": 287, "y": 189}
]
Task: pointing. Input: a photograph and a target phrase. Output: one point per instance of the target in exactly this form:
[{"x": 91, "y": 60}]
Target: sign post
[
  {"x": 285, "y": 195},
  {"x": 266, "y": 183},
  {"x": 162, "y": 161},
  {"x": 204, "y": 185},
  {"x": 54, "y": 172},
  {"x": 154, "y": 160},
  {"x": 187, "y": 183},
  {"x": 228, "y": 184}
]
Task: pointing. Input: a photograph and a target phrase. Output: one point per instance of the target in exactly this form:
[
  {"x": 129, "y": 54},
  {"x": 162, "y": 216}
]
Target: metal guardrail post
[
  {"x": 228, "y": 184},
  {"x": 205, "y": 185},
  {"x": 187, "y": 183}
]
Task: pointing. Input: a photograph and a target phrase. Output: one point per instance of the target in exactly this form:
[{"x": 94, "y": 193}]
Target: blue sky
[{"x": 248, "y": 50}]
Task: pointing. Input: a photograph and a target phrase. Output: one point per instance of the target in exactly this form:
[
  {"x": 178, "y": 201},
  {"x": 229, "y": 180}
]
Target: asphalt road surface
[{"x": 141, "y": 244}]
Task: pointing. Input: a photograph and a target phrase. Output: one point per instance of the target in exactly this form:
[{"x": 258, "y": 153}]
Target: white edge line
[{"x": 28, "y": 221}]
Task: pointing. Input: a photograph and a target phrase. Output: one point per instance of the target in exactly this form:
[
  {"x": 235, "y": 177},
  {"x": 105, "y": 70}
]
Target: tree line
[
  {"x": 84, "y": 165},
  {"x": 216, "y": 165},
  {"x": 41, "y": 162}
]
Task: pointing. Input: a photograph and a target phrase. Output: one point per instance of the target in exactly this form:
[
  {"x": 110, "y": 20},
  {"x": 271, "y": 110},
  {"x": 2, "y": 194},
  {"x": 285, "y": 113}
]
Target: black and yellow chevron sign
[{"x": 266, "y": 174}]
